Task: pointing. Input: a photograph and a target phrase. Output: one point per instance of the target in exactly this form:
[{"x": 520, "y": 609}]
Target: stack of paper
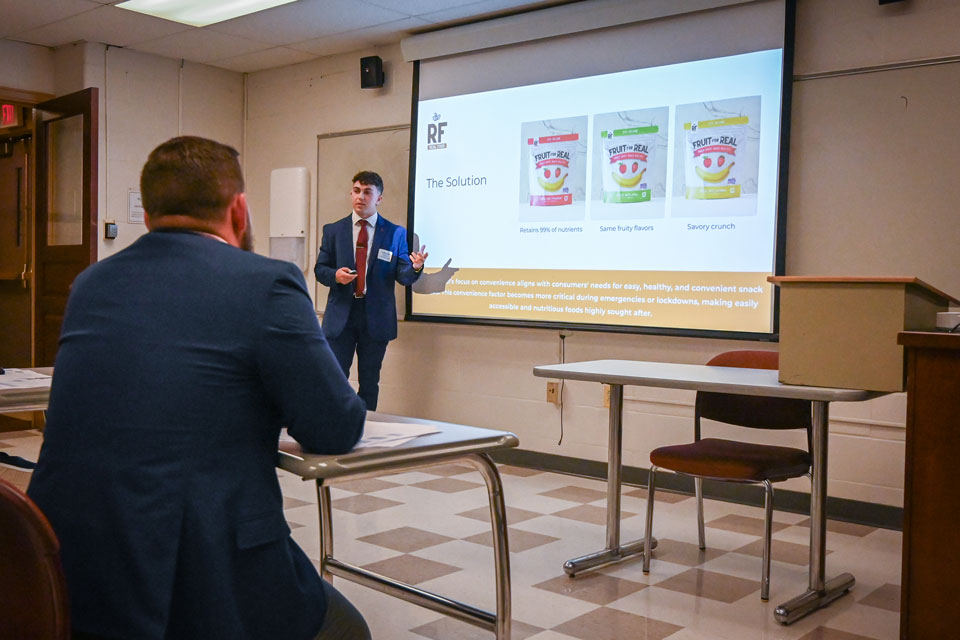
[{"x": 23, "y": 379}]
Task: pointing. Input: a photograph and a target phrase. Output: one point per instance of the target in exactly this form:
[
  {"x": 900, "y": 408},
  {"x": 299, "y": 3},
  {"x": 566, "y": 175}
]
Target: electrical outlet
[
  {"x": 606, "y": 396},
  {"x": 553, "y": 392}
]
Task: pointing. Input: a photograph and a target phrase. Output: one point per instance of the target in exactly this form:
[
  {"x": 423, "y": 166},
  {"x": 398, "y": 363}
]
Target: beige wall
[
  {"x": 144, "y": 100},
  {"x": 871, "y": 192},
  {"x": 288, "y": 108},
  {"x": 28, "y": 67},
  {"x": 482, "y": 375}
]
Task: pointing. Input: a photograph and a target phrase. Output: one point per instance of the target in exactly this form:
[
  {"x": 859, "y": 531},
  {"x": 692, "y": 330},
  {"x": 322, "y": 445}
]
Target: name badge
[{"x": 385, "y": 255}]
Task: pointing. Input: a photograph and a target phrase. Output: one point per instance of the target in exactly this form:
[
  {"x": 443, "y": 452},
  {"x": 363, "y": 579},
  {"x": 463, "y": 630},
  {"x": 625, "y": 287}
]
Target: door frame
[{"x": 86, "y": 104}]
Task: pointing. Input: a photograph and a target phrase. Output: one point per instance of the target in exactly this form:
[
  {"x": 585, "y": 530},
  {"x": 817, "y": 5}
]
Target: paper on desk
[
  {"x": 384, "y": 434},
  {"x": 23, "y": 379},
  {"x": 391, "y": 434}
]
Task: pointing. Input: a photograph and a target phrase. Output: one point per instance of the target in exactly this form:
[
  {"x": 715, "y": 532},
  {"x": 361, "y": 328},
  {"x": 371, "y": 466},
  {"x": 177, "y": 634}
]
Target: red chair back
[
  {"x": 757, "y": 412},
  {"x": 33, "y": 592}
]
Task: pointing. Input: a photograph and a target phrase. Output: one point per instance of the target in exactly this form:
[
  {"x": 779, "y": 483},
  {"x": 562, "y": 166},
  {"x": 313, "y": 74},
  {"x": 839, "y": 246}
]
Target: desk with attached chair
[{"x": 451, "y": 443}]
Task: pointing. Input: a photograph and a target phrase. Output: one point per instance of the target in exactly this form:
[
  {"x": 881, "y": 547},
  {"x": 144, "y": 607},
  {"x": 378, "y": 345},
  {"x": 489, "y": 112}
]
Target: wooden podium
[
  {"x": 930, "y": 579},
  {"x": 842, "y": 331}
]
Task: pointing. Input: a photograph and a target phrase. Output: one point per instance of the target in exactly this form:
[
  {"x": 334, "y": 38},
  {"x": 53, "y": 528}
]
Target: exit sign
[{"x": 10, "y": 116}]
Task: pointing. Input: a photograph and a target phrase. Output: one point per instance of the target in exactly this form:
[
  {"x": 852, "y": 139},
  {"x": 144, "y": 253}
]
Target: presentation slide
[{"x": 643, "y": 198}]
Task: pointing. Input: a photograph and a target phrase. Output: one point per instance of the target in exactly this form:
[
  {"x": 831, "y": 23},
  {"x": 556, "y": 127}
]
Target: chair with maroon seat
[
  {"x": 735, "y": 461},
  {"x": 33, "y": 593}
]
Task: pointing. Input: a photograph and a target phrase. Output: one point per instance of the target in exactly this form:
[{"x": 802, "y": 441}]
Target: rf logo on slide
[{"x": 435, "y": 131}]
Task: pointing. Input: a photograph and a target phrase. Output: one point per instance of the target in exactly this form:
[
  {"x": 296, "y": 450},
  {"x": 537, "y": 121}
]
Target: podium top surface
[
  {"x": 917, "y": 282},
  {"x": 943, "y": 340}
]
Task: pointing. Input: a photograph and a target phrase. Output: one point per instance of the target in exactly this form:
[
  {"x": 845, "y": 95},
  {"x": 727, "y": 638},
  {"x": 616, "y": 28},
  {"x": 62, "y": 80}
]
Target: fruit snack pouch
[
  {"x": 711, "y": 153},
  {"x": 551, "y": 164},
  {"x": 628, "y": 158}
]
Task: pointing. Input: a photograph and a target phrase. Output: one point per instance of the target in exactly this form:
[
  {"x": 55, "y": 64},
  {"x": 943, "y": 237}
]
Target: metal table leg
[
  {"x": 614, "y": 551},
  {"x": 498, "y": 623},
  {"x": 820, "y": 591},
  {"x": 324, "y": 509}
]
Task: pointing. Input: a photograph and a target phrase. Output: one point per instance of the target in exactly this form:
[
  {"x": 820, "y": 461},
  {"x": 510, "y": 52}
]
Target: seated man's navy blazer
[{"x": 180, "y": 359}]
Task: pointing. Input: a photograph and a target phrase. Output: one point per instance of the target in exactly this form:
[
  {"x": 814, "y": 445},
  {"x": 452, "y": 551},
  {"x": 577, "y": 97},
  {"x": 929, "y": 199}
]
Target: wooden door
[
  {"x": 14, "y": 250},
  {"x": 66, "y": 218}
]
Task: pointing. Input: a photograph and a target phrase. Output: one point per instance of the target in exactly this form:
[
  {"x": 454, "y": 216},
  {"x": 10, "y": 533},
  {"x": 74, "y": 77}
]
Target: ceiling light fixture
[{"x": 199, "y": 13}]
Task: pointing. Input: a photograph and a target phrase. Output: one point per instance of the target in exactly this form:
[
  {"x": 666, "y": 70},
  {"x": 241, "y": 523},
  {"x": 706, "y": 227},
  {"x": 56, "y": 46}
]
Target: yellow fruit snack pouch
[
  {"x": 551, "y": 160},
  {"x": 711, "y": 158},
  {"x": 628, "y": 156}
]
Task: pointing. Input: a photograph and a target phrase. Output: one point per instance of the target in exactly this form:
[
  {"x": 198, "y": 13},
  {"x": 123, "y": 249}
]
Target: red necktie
[{"x": 360, "y": 283}]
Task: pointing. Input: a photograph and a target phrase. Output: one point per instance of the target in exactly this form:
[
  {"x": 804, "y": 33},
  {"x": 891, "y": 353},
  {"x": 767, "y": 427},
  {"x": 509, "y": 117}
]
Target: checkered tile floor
[{"x": 430, "y": 528}]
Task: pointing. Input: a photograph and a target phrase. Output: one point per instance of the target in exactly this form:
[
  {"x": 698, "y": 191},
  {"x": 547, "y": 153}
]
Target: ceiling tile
[
  {"x": 353, "y": 40},
  {"x": 201, "y": 45},
  {"x": 394, "y": 31},
  {"x": 305, "y": 20},
  {"x": 418, "y": 7},
  {"x": 333, "y": 44},
  {"x": 286, "y": 34},
  {"x": 260, "y": 60},
  {"x": 107, "y": 25},
  {"x": 19, "y": 16},
  {"x": 484, "y": 8}
]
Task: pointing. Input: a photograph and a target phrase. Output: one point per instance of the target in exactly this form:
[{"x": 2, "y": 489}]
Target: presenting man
[
  {"x": 180, "y": 359},
  {"x": 360, "y": 258}
]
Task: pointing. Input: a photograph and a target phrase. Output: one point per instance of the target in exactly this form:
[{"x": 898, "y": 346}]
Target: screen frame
[{"x": 786, "y": 96}]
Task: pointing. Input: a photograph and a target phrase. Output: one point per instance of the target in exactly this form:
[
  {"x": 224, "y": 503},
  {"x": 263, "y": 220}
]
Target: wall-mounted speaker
[{"x": 371, "y": 72}]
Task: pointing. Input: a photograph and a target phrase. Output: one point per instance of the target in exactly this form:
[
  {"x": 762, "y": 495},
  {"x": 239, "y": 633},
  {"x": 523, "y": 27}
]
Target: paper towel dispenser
[{"x": 289, "y": 203}]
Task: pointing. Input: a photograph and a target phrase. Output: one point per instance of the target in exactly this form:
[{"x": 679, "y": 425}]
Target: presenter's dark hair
[
  {"x": 190, "y": 176},
  {"x": 369, "y": 178}
]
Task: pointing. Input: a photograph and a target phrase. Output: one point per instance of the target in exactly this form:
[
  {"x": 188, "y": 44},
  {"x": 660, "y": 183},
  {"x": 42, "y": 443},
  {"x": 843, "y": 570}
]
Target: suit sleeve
[
  {"x": 326, "y": 267},
  {"x": 316, "y": 403},
  {"x": 405, "y": 273}
]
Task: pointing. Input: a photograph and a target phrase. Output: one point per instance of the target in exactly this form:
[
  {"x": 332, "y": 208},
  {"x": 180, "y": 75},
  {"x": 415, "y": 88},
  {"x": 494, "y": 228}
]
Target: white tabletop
[
  {"x": 699, "y": 377},
  {"x": 449, "y": 440}
]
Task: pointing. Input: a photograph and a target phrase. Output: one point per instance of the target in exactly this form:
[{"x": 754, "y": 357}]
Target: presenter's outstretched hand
[
  {"x": 345, "y": 275},
  {"x": 417, "y": 258}
]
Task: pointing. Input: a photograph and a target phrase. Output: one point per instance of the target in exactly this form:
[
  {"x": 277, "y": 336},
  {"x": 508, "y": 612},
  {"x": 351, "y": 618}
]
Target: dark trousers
[
  {"x": 356, "y": 339},
  {"x": 343, "y": 621}
]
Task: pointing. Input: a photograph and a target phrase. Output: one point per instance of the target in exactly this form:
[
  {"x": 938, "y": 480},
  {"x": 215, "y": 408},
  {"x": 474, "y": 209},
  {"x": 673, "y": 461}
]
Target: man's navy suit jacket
[
  {"x": 180, "y": 359},
  {"x": 336, "y": 251}
]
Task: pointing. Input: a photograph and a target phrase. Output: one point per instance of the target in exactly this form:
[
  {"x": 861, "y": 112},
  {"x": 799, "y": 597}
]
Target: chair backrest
[
  {"x": 33, "y": 592},
  {"x": 757, "y": 412}
]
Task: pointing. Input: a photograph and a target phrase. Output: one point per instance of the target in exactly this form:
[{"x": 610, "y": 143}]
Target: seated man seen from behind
[{"x": 180, "y": 359}]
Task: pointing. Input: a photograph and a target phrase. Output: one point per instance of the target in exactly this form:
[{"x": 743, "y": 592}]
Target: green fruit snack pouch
[{"x": 627, "y": 158}]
